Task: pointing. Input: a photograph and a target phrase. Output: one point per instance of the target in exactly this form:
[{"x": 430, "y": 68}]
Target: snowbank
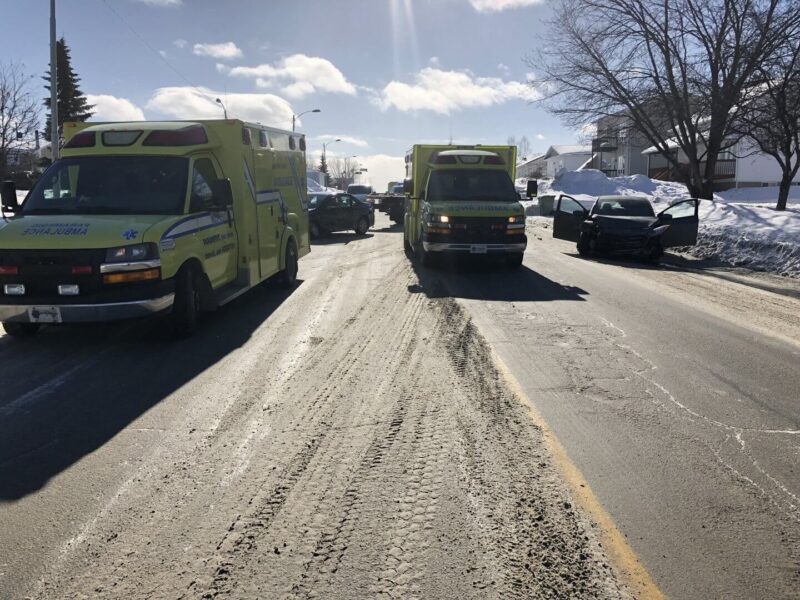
[{"x": 739, "y": 227}]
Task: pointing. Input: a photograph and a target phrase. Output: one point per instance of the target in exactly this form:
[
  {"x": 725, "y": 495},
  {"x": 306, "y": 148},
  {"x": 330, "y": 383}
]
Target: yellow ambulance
[
  {"x": 145, "y": 218},
  {"x": 462, "y": 201}
]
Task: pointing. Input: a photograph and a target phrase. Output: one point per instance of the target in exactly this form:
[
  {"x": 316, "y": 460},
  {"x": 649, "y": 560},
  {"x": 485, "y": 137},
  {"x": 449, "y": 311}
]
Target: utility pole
[{"x": 53, "y": 84}]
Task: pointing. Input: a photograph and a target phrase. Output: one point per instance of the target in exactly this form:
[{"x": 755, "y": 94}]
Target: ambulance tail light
[
  {"x": 9, "y": 270},
  {"x": 84, "y": 139},
  {"x": 193, "y": 135},
  {"x": 82, "y": 270}
]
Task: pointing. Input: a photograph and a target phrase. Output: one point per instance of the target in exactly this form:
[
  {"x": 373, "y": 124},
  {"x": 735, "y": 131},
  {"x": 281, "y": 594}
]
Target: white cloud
[
  {"x": 353, "y": 141},
  {"x": 498, "y": 5},
  {"x": 222, "y": 68},
  {"x": 435, "y": 61},
  {"x": 446, "y": 91},
  {"x": 300, "y": 74},
  {"x": 382, "y": 168},
  {"x": 161, "y": 2},
  {"x": 199, "y": 103},
  {"x": 111, "y": 108},
  {"x": 223, "y": 51},
  {"x": 180, "y": 43},
  {"x": 539, "y": 136}
]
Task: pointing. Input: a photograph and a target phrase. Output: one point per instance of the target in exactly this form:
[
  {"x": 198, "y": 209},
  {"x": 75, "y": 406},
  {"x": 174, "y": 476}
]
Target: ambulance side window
[{"x": 202, "y": 176}]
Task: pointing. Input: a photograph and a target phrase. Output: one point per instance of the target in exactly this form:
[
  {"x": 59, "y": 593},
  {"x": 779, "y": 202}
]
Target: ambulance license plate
[
  {"x": 44, "y": 314},
  {"x": 477, "y": 249}
]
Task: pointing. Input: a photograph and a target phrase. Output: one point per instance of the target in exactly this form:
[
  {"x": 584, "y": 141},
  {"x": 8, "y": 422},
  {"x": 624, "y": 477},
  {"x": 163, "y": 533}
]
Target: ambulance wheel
[
  {"x": 362, "y": 226},
  {"x": 315, "y": 231},
  {"x": 514, "y": 260},
  {"x": 289, "y": 274},
  {"x": 186, "y": 308},
  {"x": 423, "y": 257},
  {"x": 22, "y": 330}
]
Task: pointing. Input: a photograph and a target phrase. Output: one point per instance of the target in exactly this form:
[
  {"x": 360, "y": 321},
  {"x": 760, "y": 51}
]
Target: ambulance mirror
[
  {"x": 533, "y": 188},
  {"x": 221, "y": 193},
  {"x": 408, "y": 186},
  {"x": 9, "y": 196}
]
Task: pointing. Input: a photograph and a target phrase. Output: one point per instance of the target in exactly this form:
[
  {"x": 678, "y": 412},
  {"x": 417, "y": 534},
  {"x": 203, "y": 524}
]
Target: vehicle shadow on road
[
  {"x": 340, "y": 238},
  {"x": 393, "y": 228},
  {"x": 490, "y": 280},
  {"x": 70, "y": 390}
]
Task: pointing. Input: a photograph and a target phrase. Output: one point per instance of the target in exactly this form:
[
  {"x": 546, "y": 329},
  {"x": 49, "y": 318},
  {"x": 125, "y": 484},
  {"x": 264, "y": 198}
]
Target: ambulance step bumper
[
  {"x": 474, "y": 248},
  {"x": 84, "y": 313}
]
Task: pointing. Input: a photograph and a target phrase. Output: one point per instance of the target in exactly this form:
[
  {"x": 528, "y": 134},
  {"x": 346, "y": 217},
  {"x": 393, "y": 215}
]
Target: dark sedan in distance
[
  {"x": 625, "y": 225},
  {"x": 338, "y": 212}
]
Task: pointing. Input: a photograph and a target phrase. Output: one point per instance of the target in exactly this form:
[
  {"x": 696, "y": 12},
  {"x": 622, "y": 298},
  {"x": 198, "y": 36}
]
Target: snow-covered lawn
[{"x": 739, "y": 227}]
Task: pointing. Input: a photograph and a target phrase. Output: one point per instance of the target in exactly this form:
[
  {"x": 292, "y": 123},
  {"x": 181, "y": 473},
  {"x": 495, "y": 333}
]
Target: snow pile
[{"x": 739, "y": 227}]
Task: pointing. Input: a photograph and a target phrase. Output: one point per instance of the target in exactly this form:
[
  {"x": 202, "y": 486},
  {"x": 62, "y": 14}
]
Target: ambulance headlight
[
  {"x": 132, "y": 253},
  {"x": 438, "y": 218}
]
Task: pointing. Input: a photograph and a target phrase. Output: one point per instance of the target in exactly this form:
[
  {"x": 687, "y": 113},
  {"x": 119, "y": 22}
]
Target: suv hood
[
  {"x": 71, "y": 232},
  {"x": 476, "y": 208},
  {"x": 623, "y": 224}
]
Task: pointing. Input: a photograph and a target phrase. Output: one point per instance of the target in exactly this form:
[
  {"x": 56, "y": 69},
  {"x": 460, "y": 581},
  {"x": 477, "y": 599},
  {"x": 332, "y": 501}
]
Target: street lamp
[
  {"x": 325, "y": 145},
  {"x": 295, "y": 117},
  {"x": 224, "y": 110}
]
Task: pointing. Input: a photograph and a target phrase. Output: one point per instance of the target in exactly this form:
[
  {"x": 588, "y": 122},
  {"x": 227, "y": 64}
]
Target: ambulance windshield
[
  {"x": 111, "y": 185},
  {"x": 471, "y": 184}
]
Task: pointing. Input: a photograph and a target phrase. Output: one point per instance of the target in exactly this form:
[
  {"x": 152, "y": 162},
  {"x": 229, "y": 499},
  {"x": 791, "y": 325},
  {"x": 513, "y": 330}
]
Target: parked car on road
[
  {"x": 338, "y": 212},
  {"x": 625, "y": 225}
]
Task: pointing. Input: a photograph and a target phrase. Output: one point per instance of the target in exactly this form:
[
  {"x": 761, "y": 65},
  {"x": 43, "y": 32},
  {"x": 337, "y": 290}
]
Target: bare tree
[
  {"x": 676, "y": 68},
  {"x": 523, "y": 145},
  {"x": 19, "y": 112},
  {"x": 342, "y": 170},
  {"x": 773, "y": 119}
]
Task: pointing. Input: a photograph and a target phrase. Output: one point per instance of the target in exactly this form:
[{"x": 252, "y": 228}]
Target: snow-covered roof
[
  {"x": 530, "y": 160},
  {"x": 567, "y": 149}
]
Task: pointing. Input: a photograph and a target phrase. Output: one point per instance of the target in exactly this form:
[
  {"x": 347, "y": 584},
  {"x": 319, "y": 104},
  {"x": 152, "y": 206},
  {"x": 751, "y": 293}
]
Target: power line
[{"x": 147, "y": 45}]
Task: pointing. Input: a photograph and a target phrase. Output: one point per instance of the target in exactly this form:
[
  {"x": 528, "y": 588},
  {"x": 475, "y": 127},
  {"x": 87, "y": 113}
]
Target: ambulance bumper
[
  {"x": 84, "y": 313},
  {"x": 474, "y": 248}
]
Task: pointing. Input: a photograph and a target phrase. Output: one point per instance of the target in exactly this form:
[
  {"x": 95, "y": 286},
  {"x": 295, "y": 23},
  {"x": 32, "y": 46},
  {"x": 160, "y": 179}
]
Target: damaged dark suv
[{"x": 625, "y": 225}]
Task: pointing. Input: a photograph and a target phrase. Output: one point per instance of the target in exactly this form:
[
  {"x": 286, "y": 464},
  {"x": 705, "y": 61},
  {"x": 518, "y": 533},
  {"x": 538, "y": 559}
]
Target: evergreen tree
[
  {"x": 323, "y": 167},
  {"x": 72, "y": 104}
]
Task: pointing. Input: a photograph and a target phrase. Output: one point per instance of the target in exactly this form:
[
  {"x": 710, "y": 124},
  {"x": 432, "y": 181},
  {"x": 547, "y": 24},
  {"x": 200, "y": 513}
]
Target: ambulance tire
[
  {"x": 288, "y": 276},
  {"x": 315, "y": 230},
  {"x": 186, "y": 308},
  {"x": 362, "y": 226},
  {"x": 407, "y": 247},
  {"x": 22, "y": 330},
  {"x": 423, "y": 258}
]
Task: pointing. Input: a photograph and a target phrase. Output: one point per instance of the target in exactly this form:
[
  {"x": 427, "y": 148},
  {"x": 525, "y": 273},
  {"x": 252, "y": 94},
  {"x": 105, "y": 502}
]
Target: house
[
  {"x": 532, "y": 168},
  {"x": 617, "y": 147},
  {"x": 566, "y": 158},
  {"x": 742, "y": 165}
]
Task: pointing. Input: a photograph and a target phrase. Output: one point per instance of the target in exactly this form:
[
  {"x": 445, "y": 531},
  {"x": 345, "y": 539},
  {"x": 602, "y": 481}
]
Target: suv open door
[
  {"x": 683, "y": 223},
  {"x": 567, "y": 218}
]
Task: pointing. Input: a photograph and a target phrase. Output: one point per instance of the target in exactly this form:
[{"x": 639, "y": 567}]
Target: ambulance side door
[
  {"x": 267, "y": 206},
  {"x": 216, "y": 233}
]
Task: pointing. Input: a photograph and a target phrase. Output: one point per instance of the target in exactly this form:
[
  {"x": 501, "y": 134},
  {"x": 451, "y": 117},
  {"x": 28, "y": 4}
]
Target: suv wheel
[{"x": 22, "y": 330}]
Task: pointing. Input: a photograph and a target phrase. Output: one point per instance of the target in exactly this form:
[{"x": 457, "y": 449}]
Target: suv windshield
[
  {"x": 110, "y": 185},
  {"x": 471, "y": 184},
  {"x": 635, "y": 207}
]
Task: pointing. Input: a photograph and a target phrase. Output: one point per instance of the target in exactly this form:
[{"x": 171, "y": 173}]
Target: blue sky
[{"x": 386, "y": 73}]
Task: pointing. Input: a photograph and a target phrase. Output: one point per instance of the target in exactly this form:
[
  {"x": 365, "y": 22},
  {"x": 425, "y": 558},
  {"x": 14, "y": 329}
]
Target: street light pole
[
  {"x": 295, "y": 117},
  {"x": 224, "y": 110},
  {"x": 53, "y": 84}
]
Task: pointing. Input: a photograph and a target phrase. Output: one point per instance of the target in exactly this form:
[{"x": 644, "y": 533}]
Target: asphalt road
[{"x": 354, "y": 437}]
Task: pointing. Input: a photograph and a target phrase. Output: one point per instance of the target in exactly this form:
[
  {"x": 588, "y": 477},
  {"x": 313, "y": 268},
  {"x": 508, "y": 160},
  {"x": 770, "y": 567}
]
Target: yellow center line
[{"x": 626, "y": 564}]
